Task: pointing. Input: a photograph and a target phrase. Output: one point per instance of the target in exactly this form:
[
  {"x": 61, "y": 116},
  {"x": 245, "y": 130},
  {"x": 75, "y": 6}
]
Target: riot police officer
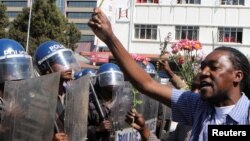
[
  {"x": 50, "y": 57},
  {"x": 109, "y": 76},
  {"x": 15, "y": 64}
]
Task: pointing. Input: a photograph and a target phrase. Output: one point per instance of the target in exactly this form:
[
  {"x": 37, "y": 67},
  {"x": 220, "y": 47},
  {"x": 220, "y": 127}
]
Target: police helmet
[
  {"x": 149, "y": 68},
  {"x": 52, "y": 52},
  {"x": 109, "y": 74},
  {"x": 15, "y": 63},
  {"x": 84, "y": 72},
  {"x": 87, "y": 71}
]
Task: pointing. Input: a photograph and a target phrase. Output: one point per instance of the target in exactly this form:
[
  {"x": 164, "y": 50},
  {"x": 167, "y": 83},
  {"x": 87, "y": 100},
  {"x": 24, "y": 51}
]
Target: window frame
[
  {"x": 184, "y": 32},
  {"x": 145, "y": 32},
  {"x": 13, "y": 14},
  {"x": 147, "y": 1},
  {"x": 230, "y": 35},
  {"x": 79, "y": 15},
  {"x": 17, "y": 3},
  {"x": 82, "y": 26},
  {"x": 232, "y": 2},
  {"x": 87, "y": 38},
  {"x": 188, "y": 1},
  {"x": 83, "y": 4}
]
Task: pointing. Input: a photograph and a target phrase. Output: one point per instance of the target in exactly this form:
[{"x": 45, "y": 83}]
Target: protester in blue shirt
[
  {"x": 182, "y": 131},
  {"x": 223, "y": 84}
]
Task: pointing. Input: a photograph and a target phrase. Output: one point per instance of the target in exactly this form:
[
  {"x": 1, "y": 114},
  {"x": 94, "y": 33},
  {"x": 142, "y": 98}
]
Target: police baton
[{"x": 99, "y": 108}]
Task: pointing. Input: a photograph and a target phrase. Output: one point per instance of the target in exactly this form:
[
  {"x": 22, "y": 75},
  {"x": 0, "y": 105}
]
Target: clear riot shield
[
  {"x": 30, "y": 107},
  {"x": 76, "y": 109},
  {"x": 125, "y": 96},
  {"x": 163, "y": 114},
  {"x": 122, "y": 103},
  {"x": 150, "y": 112}
]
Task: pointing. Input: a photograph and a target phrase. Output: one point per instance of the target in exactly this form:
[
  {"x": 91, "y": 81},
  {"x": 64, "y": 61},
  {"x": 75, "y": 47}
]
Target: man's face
[
  {"x": 66, "y": 74},
  {"x": 217, "y": 76},
  {"x": 108, "y": 91}
]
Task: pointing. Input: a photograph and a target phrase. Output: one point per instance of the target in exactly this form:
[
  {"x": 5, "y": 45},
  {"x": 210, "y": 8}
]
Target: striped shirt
[{"x": 189, "y": 109}]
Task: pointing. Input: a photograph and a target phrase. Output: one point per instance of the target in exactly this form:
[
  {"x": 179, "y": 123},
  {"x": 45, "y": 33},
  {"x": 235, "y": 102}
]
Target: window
[
  {"x": 13, "y": 14},
  {"x": 146, "y": 32},
  {"x": 79, "y": 15},
  {"x": 186, "y": 32},
  {"x": 87, "y": 38},
  {"x": 232, "y": 2},
  {"x": 147, "y": 1},
  {"x": 90, "y": 4},
  {"x": 61, "y": 5},
  {"x": 82, "y": 26},
  {"x": 189, "y": 1},
  {"x": 231, "y": 35},
  {"x": 15, "y": 3}
]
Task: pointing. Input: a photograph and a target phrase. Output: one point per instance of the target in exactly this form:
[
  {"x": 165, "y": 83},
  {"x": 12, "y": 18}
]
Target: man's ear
[{"x": 238, "y": 76}]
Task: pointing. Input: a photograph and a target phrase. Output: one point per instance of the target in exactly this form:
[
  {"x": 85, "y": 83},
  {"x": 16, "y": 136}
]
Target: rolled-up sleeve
[{"x": 184, "y": 106}]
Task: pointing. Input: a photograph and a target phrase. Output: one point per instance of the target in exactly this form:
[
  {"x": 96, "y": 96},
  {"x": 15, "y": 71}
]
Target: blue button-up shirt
[{"x": 188, "y": 108}]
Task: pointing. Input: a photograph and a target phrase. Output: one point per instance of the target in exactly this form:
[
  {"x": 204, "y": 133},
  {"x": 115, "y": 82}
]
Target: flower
[
  {"x": 140, "y": 58},
  {"x": 185, "y": 56},
  {"x": 196, "y": 45},
  {"x": 163, "y": 45},
  {"x": 181, "y": 60}
]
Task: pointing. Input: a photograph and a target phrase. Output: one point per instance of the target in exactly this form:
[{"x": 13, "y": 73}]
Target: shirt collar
[{"x": 241, "y": 108}]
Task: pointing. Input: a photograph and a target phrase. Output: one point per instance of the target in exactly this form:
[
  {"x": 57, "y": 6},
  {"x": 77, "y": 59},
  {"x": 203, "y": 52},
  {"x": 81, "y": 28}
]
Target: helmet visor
[
  {"x": 65, "y": 59},
  {"x": 16, "y": 67},
  {"x": 110, "y": 78}
]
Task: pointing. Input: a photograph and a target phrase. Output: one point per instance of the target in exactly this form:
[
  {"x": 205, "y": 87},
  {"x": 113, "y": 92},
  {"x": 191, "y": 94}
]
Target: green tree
[
  {"x": 74, "y": 36},
  {"x": 4, "y": 21},
  {"x": 47, "y": 23}
]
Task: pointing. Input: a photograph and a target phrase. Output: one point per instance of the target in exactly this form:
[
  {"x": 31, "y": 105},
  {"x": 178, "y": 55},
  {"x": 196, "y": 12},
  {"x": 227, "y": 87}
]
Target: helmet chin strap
[{"x": 51, "y": 70}]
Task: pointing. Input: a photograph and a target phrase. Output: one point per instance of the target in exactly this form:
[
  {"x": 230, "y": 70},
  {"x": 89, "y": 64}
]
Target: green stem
[{"x": 134, "y": 92}]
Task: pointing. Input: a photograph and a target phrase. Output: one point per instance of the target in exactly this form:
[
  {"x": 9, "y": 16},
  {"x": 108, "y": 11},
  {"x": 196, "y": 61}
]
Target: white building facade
[{"x": 213, "y": 22}]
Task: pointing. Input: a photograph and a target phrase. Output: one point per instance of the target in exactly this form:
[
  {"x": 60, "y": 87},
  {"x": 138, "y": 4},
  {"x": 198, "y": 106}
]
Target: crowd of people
[{"x": 218, "y": 96}]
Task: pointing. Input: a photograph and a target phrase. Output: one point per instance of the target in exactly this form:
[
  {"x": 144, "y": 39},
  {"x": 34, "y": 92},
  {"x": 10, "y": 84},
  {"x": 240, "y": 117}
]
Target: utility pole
[
  {"x": 28, "y": 32},
  {"x": 131, "y": 24}
]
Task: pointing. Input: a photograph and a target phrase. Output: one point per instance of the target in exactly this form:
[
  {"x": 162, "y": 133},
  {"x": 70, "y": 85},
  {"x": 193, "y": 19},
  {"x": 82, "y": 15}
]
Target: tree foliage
[
  {"x": 47, "y": 23},
  {"x": 4, "y": 21},
  {"x": 74, "y": 35}
]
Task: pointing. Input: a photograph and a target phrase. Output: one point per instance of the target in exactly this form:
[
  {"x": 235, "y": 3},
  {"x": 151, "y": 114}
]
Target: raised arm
[
  {"x": 176, "y": 80},
  {"x": 101, "y": 26}
]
